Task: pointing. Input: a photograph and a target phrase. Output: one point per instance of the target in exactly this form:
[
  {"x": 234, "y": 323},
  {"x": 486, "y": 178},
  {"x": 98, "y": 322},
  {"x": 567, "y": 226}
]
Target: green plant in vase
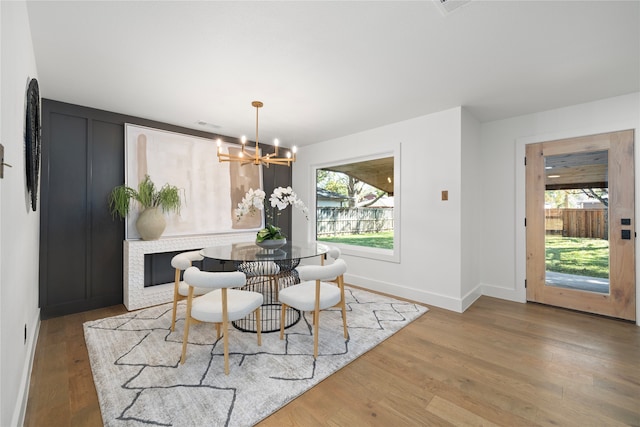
[
  {"x": 270, "y": 232},
  {"x": 152, "y": 202}
]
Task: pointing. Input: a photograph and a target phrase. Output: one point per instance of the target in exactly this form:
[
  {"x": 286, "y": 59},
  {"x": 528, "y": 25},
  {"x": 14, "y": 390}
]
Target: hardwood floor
[{"x": 499, "y": 363}]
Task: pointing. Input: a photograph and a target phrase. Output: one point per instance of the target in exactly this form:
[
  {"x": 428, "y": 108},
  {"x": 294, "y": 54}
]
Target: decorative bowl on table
[{"x": 272, "y": 244}]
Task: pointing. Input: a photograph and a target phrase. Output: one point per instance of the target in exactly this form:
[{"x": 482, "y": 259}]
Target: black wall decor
[
  {"x": 81, "y": 245},
  {"x": 32, "y": 140}
]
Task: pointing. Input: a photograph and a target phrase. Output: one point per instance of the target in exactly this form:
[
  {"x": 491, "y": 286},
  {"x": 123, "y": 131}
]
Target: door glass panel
[{"x": 576, "y": 221}]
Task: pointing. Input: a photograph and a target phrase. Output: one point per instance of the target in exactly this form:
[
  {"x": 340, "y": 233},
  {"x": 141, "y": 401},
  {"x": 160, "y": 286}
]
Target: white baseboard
[
  {"x": 471, "y": 297},
  {"x": 438, "y": 300},
  {"x": 25, "y": 379},
  {"x": 429, "y": 298},
  {"x": 516, "y": 295}
]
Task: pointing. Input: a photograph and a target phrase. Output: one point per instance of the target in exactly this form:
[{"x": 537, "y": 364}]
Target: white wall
[
  {"x": 451, "y": 252},
  {"x": 19, "y": 227},
  {"x": 430, "y": 254},
  {"x": 471, "y": 210},
  {"x": 502, "y": 269},
  {"x": 1, "y": 363}
]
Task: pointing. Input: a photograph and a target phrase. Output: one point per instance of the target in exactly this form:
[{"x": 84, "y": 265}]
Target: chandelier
[{"x": 244, "y": 157}]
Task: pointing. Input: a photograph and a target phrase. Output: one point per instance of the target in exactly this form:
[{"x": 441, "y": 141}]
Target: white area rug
[{"x": 135, "y": 363}]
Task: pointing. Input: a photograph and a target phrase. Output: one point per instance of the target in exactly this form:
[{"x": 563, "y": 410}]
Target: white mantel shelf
[{"x": 135, "y": 295}]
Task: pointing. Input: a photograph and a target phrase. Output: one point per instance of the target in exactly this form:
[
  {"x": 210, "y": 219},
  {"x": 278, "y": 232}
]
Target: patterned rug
[{"x": 135, "y": 360}]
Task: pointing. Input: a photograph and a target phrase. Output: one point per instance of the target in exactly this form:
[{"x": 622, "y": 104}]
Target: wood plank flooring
[{"x": 499, "y": 363}]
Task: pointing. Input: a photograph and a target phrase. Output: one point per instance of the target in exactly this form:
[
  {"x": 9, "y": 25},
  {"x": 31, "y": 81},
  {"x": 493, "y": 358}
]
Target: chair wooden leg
[
  {"x": 175, "y": 299},
  {"x": 185, "y": 339},
  {"x": 316, "y": 320},
  {"x": 343, "y": 306},
  {"x": 187, "y": 324},
  {"x": 344, "y": 321},
  {"x": 258, "y": 326},
  {"x": 283, "y": 310},
  {"x": 218, "y": 331},
  {"x": 225, "y": 339},
  {"x": 225, "y": 332},
  {"x": 276, "y": 287}
]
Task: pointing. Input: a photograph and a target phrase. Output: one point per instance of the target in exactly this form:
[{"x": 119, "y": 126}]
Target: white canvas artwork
[{"x": 210, "y": 190}]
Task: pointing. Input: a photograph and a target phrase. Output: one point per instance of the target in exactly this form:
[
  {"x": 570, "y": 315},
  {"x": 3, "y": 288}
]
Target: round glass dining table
[{"x": 267, "y": 271}]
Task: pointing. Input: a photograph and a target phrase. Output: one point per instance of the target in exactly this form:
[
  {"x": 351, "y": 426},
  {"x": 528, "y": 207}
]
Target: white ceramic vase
[{"x": 151, "y": 223}]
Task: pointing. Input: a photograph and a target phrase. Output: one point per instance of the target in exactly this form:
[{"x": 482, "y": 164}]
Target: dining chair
[
  {"x": 315, "y": 294},
  {"x": 181, "y": 262},
  {"x": 262, "y": 269},
  {"x": 220, "y": 306},
  {"x": 334, "y": 253}
]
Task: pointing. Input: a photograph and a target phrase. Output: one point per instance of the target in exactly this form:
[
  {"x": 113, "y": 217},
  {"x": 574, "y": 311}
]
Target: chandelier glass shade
[{"x": 245, "y": 157}]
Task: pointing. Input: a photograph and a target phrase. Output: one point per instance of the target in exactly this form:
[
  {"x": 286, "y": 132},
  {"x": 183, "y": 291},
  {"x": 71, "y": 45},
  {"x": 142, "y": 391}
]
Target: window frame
[{"x": 389, "y": 255}]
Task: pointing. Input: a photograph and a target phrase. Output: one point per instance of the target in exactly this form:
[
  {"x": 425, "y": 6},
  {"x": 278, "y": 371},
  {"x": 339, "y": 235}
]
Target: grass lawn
[
  {"x": 382, "y": 240},
  {"x": 574, "y": 255},
  {"x": 571, "y": 255}
]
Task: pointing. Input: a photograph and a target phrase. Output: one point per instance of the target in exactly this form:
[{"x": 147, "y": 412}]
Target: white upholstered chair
[
  {"x": 259, "y": 268},
  {"x": 315, "y": 294},
  {"x": 220, "y": 306},
  {"x": 180, "y": 289},
  {"x": 334, "y": 253},
  {"x": 262, "y": 269}
]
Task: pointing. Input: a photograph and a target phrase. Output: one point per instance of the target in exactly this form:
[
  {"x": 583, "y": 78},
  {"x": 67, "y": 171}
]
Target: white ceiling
[{"x": 326, "y": 69}]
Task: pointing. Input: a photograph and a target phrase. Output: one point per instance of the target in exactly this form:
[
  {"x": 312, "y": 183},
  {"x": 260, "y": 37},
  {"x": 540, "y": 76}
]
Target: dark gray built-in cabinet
[{"x": 81, "y": 245}]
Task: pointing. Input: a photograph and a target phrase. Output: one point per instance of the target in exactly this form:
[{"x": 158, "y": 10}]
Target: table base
[{"x": 269, "y": 286}]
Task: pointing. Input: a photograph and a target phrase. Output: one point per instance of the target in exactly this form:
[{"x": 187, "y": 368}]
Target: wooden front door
[{"x": 577, "y": 166}]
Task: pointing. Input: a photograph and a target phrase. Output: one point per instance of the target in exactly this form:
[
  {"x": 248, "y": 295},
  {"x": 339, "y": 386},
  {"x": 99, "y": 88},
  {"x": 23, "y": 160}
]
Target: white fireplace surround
[{"x": 135, "y": 295}]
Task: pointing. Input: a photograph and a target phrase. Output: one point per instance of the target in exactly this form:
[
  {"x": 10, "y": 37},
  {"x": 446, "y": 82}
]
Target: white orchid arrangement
[
  {"x": 281, "y": 198},
  {"x": 252, "y": 201}
]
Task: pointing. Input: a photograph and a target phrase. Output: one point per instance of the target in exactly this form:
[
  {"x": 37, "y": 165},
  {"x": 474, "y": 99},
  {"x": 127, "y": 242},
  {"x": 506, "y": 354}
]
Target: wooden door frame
[
  {"x": 518, "y": 291},
  {"x": 621, "y": 301}
]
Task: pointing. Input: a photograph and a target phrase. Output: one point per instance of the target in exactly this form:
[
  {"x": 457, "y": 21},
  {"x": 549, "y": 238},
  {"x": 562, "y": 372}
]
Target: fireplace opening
[{"x": 158, "y": 270}]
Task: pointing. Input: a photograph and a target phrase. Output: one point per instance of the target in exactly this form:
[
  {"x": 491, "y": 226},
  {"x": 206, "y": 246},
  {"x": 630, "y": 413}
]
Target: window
[{"x": 357, "y": 206}]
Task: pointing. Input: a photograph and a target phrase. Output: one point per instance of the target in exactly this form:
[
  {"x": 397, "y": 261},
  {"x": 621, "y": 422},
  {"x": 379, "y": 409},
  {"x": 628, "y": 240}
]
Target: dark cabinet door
[{"x": 80, "y": 244}]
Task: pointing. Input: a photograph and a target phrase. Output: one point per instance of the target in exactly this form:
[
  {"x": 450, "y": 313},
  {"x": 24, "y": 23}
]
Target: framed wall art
[{"x": 210, "y": 190}]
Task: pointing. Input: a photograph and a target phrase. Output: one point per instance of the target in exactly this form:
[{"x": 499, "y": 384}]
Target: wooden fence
[
  {"x": 337, "y": 221},
  {"x": 591, "y": 223}
]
